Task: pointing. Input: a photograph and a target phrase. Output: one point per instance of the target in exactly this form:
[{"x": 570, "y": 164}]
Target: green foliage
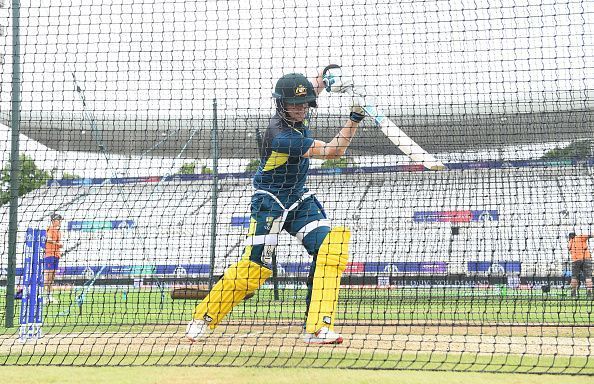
[
  {"x": 343, "y": 162},
  {"x": 70, "y": 176},
  {"x": 190, "y": 169},
  {"x": 31, "y": 178},
  {"x": 576, "y": 150},
  {"x": 253, "y": 165},
  {"x": 187, "y": 169}
]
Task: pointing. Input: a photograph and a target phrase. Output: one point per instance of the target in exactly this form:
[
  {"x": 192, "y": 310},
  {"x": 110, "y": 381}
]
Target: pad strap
[{"x": 307, "y": 228}]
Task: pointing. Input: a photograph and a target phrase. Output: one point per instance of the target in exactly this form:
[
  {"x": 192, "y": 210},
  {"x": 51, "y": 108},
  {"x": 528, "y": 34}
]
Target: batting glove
[
  {"x": 357, "y": 114},
  {"x": 333, "y": 80}
]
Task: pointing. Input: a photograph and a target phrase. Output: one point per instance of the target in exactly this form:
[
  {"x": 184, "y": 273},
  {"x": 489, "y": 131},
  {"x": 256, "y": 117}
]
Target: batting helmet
[
  {"x": 294, "y": 88},
  {"x": 56, "y": 216}
]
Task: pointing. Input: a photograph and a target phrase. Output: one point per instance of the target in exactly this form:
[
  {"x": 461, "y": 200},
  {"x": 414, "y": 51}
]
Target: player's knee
[
  {"x": 260, "y": 249},
  {"x": 334, "y": 250},
  {"x": 314, "y": 239}
]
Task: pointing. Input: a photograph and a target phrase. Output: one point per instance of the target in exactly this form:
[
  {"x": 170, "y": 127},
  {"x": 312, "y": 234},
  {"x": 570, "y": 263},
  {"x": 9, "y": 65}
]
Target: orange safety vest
[
  {"x": 578, "y": 248},
  {"x": 54, "y": 250}
]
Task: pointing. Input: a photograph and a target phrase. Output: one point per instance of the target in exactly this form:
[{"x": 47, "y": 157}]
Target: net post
[
  {"x": 14, "y": 164},
  {"x": 31, "y": 316},
  {"x": 215, "y": 191}
]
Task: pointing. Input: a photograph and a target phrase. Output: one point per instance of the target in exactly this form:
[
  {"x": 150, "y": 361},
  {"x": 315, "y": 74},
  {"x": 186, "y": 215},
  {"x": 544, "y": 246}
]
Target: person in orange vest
[
  {"x": 53, "y": 251},
  {"x": 581, "y": 262}
]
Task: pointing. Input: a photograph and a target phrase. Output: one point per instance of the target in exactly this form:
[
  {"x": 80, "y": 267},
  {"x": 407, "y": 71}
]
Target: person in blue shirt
[{"x": 282, "y": 202}]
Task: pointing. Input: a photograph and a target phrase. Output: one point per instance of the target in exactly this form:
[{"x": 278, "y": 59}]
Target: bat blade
[
  {"x": 397, "y": 136},
  {"x": 407, "y": 145}
]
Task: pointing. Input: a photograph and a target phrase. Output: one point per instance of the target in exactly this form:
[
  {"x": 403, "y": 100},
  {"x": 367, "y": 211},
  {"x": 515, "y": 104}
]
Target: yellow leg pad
[
  {"x": 330, "y": 264},
  {"x": 239, "y": 280}
]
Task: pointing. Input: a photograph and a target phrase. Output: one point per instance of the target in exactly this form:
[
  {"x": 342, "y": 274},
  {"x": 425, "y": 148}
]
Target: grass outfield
[
  {"x": 178, "y": 375},
  {"x": 108, "y": 308},
  {"x": 474, "y": 330}
]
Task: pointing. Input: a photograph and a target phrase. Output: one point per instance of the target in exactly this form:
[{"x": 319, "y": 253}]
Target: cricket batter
[{"x": 281, "y": 202}]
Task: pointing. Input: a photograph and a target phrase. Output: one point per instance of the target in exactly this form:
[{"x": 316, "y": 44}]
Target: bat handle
[{"x": 329, "y": 67}]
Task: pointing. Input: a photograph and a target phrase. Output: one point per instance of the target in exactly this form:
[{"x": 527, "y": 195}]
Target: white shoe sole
[{"x": 316, "y": 341}]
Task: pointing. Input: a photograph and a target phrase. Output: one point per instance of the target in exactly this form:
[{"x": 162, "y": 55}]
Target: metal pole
[
  {"x": 215, "y": 192},
  {"x": 14, "y": 163}
]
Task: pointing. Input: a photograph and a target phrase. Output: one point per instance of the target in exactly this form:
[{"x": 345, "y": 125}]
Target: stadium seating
[{"x": 529, "y": 212}]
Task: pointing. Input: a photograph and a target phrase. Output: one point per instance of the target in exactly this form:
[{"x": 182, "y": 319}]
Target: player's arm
[
  {"x": 337, "y": 146},
  {"x": 318, "y": 83}
]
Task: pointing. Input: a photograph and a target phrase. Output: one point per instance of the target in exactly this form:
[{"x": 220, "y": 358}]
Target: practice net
[{"x": 142, "y": 124}]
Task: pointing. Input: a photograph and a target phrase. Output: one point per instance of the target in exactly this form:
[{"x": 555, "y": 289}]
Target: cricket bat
[
  {"x": 407, "y": 145},
  {"x": 331, "y": 76}
]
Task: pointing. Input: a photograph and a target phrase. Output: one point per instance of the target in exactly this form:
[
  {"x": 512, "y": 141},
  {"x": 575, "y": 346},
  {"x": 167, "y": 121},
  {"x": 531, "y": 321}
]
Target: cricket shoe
[
  {"x": 323, "y": 336},
  {"x": 197, "y": 330}
]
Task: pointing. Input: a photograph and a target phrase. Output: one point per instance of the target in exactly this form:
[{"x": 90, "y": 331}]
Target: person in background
[
  {"x": 581, "y": 262},
  {"x": 53, "y": 251}
]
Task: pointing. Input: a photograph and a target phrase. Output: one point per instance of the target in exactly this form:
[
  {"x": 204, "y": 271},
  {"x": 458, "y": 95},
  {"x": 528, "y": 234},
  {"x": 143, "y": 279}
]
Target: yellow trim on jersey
[{"x": 275, "y": 160}]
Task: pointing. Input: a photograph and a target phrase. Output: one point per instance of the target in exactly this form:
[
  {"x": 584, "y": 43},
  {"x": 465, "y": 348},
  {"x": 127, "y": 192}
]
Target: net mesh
[{"x": 142, "y": 124}]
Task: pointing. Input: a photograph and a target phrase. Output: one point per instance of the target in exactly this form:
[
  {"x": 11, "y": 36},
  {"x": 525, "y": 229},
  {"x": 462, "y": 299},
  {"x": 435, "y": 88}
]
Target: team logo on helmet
[{"x": 300, "y": 90}]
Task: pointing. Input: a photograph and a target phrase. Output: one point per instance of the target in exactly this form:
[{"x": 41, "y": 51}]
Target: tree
[
  {"x": 187, "y": 169},
  {"x": 31, "y": 178},
  {"x": 253, "y": 165},
  {"x": 343, "y": 162},
  {"x": 575, "y": 150},
  {"x": 70, "y": 176}
]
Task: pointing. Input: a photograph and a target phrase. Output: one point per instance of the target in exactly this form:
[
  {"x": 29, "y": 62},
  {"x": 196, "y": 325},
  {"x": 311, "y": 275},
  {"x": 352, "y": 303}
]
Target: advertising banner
[
  {"x": 100, "y": 225},
  {"x": 462, "y": 216}
]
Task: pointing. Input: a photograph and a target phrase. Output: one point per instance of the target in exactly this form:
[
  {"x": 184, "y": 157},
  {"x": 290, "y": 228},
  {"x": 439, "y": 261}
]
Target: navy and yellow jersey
[{"x": 283, "y": 169}]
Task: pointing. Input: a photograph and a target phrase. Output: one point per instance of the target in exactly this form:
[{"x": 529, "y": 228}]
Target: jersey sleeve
[{"x": 292, "y": 143}]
